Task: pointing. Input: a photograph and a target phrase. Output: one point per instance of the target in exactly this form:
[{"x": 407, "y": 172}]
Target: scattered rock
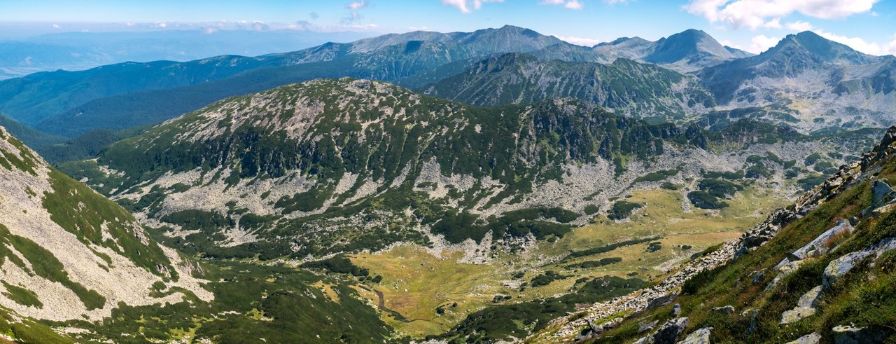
[
  {"x": 700, "y": 336},
  {"x": 647, "y": 326},
  {"x": 839, "y": 267},
  {"x": 727, "y": 309},
  {"x": 848, "y": 334},
  {"x": 812, "y": 338},
  {"x": 670, "y": 331},
  {"x": 818, "y": 246},
  {"x": 676, "y": 310},
  {"x": 805, "y": 307}
]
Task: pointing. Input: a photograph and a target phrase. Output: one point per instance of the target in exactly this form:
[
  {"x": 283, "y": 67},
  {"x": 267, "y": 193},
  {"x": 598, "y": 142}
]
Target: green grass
[
  {"x": 45, "y": 265},
  {"x": 86, "y": 214},
  {"x": 21, "y": 295}
]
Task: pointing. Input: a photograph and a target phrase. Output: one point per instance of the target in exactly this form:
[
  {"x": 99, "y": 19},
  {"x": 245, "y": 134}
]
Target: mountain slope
[
  {"x": 625, "y": 86},
  {"x": 818, "y": 270},
  {"x": 286, "y": 171},
  {"x": 827, "y": 83},
  {"x": 691, "y": 50},
  {"x": 76, "y": 254}
]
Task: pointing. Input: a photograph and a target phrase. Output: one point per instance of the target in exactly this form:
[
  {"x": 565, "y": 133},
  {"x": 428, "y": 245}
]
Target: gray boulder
[
  {"x": 857, "y": 335},
  {"x": 812, "y": 338},
  {"x": 668, "y": 333},
  {"x": 839, "y": 267},
  {"x": 818, "y": 246},
  {"x": 700, "y": 336},
  {"x": 805, "y": 307},
  {"x": 727, "y": 309}
]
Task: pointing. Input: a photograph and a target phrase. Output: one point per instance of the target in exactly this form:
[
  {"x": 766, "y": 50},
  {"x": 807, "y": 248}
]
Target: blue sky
[{"x": 867, "y": 25}]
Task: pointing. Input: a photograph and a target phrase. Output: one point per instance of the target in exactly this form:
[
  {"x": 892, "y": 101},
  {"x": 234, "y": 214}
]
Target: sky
[{"x": 753, "y": 25}]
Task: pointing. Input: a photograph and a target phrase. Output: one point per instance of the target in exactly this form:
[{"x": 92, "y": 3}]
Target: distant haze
[{"x": 83, "y": 50}]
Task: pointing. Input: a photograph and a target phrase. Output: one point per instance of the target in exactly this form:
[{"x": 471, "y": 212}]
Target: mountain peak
[
  {"x": 818, "y": 47},
  {"x": 686, "y": 46}
]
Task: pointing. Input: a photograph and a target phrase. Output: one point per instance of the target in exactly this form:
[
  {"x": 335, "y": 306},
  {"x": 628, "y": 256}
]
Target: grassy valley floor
[{"x": 424, "y": 294}]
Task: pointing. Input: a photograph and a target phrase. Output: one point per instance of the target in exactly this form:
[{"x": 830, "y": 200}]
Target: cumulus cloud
[
  {"x": 754, "y": 14},
  {"x": 761, "y": 43},
  {"x": 570, "y": 4},
  {"x": 467, "y": 6},
  {"x": 860, "y": 44},
  {"x": 799, "y": 26}
]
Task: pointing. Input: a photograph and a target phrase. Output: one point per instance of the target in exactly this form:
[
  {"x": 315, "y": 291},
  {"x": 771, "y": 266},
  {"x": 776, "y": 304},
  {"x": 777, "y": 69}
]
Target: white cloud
[
  {"x": 773, "y": 24},
  {"x": 467, "y": 6},
  {"x": 761, "y": 43},
  {"x": 860, "y": 44},
  {"x": 585, "y": 41},
  {"x": 356, "y": 5},
  {"x": 570, "y": 4},
  {"x": 754, "y": 14},
  {"x": 574, "y": 5},
  {"x": 799, "y": 26}
]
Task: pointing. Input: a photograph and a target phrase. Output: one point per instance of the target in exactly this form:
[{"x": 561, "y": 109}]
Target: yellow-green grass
[{"x": 415, "y": 283}]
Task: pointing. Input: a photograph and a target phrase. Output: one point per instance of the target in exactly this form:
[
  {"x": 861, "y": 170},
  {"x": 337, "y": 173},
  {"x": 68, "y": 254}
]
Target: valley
[{"x": 490, "y": 186}]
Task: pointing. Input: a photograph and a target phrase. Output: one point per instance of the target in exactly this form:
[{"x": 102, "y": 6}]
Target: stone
[
  {"x": 848, "y": 334},
  {"x": 818, "y": 246},
  {"x": 727, "y": 309},
  {"x": 881, "y": 193},
  {"x": 668, "y": 333},
  {"x": 647, "y": 326},
  {"x": 805, "y": 307},
  {"x": 839, "y": 267},
  {"x": 700, "y": 336},
  {"x": 812, "y": 338},
  {"x": 676, "y": 310}
]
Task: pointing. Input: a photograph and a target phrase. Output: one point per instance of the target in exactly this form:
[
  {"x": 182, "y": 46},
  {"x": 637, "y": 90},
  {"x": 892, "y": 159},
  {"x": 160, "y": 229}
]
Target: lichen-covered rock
[
  {"x": 700, "y": 336},
  {"x": 805, "y": 307},
  {"x": 839, "y": 267},
  {"x": 819, "y": 245}
]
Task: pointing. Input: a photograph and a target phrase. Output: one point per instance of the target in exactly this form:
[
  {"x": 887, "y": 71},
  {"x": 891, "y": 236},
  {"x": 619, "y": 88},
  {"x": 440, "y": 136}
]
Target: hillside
[
  {"x": 820, "y": 270},
  {"x": 68, "y": 253},
  {"x": 625, "y": 87}
]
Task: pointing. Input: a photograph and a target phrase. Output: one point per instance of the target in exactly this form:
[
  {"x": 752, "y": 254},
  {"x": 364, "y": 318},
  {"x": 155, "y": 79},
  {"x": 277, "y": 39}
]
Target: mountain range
[{"x": 121, "y": 96}]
